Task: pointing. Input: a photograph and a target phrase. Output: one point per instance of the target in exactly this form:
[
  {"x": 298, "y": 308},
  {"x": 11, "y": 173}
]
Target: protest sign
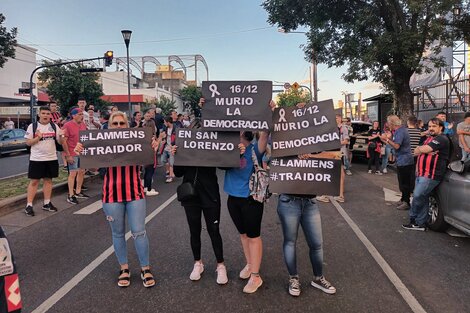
[
  {"x": 237, "y": 105},
  {"x": 116, "y": 147},
  {"x": 305, "y": 130},
  {"x": 197, "y": 147},
  {"x": 305, "y": 177}
]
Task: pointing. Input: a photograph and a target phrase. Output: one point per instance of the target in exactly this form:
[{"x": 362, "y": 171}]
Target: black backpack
[{"x": 58, "y": 146}]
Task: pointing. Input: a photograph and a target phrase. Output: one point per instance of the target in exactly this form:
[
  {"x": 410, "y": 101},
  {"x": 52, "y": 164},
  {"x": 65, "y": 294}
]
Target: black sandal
[
  {"x": 148, "y": 281},
  {"x": 124, "y": 281}
]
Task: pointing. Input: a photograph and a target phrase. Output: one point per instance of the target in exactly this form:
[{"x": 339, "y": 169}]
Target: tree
[
  {"x": 7, "y": 42},
  {"x": 65, "y": 84},
  {"x": 292, "y": 96},
  {"x": 191, "y": 96},
  {"x": 379, "y": 39},
  {"x": 166, "y": 104}
]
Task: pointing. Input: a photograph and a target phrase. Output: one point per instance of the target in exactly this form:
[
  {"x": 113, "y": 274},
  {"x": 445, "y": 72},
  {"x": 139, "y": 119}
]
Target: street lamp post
[
  {"x": 126, "y": 34},
  {"x": 314, "y": 65}
]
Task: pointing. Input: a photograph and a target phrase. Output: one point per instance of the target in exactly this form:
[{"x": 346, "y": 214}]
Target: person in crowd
[
  {"x": 344, "y": 139},
  {"x": 71, "y": 132},
  {"x": 246, "y": 213},
  {"x": 414, "y": 132},
  {"x": 169, "y": 139},
  {"x": 43, "y": 164},
  {"x": 119, "y": 202},
  {"x": 93, "y": 121},
  {"x": 386, "y": 148},
  {"x": 431, "y": 165},
  {"x": 114, "y": 109},
  {"x": 149, "y": 169},
  {"x": 159, "y": 118},
  {"x": 9, "y": 124},
  {"x": 81, "y": 104},
  {"x": 104, "y": 117},
  {"x": 207, "y": 202},
  {"x": 449, "y": 131},
  {"x": 405, "y": 163},
  {"x": 463, "y": 130},
  {"x": 56, "y": 117},
  {"x": 423, "y": 131},
  {"x": 373, "y": 148},
  {"x": 176, "y": 122},
  {"x": 137, "y": 120},
  {"x": 186, "y": 120},
  {"x": 303, "y": 210}
]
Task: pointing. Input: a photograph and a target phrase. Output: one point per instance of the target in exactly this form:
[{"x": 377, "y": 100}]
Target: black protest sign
[
  {"x": 237, "y": 105},
  {"x": 116, "y": 147},
  {"x": 309, "y": 129},
  {"x": 197, "y": 147},
  {"x": 305, "y": 177}
]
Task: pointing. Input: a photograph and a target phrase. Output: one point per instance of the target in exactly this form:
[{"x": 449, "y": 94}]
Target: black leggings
[
  {"x": 212, "y": 217},
  {"x": 374, "y": 157},
  {"x": 149, "y": 170}
]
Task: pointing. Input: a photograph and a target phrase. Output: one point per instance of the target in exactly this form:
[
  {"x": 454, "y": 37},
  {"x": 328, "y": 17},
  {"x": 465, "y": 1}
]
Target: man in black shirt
[{"x": 431, "y": 166}]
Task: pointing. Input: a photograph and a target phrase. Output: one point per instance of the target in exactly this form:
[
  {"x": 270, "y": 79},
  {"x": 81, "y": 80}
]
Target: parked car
[
  {"x": 358, "y": 142},
  {"x": 12, "y": 140},
  {"x": 449, "y": 204}
]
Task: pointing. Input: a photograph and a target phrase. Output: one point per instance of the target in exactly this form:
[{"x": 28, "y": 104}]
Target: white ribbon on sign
[
  {"x": 282, "y": 114},
  {"x": 213, "y": 89}
]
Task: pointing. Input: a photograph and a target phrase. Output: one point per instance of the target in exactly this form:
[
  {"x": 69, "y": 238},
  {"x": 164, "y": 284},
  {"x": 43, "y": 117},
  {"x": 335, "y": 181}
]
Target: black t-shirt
[
  {"x": 373, "y": 132},
  {"x": 434, "y": 165}
]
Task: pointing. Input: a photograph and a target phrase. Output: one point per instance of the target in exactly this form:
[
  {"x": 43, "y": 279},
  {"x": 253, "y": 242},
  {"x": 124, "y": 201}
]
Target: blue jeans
[
  {"x": 294, "y": 211},
  {"x": 388, "y": 151},
  {"x": 116, "y": 216},
  {"x": 465, "y": 155},
  {"x": 419, "y": 211}
]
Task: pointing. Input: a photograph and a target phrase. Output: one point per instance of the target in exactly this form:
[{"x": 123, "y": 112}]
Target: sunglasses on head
[{"x": 119, "y": 123}]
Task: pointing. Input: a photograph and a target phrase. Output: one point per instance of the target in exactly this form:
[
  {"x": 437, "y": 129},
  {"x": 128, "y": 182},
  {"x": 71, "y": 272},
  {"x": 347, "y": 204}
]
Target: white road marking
[
  {"x": 90, "y": 209},
  {"x": 59, "y": 294},
  {"x": 392, "y": 276},
  {"x": 391, "y": 195}
]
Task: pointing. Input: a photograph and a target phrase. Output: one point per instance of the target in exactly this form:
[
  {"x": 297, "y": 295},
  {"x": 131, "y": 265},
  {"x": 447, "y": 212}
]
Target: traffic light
[{"x": 108, "y": 58}]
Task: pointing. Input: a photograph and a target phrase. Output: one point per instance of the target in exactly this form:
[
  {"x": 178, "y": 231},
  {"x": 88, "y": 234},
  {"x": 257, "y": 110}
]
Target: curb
[{"x": 12, "y": 204}]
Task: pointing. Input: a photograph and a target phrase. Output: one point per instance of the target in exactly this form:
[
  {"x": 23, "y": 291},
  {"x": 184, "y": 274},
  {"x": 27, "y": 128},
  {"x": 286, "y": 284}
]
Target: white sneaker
[
  {"x": 385, "y": 171},
  {"x": 198, "y": 269},
  {"x": 323, "y": 199},
  {"x": 369, "y": 172},
  {"x": 222, "y": 278},
  {"x": 152, "y": 192},
  {"x": 245, "y": 273}
]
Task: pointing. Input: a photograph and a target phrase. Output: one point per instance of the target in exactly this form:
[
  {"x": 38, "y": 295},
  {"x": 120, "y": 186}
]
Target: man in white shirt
[
  {"x": 43, "y": 164},
  {"x": 9, "y": 124}
]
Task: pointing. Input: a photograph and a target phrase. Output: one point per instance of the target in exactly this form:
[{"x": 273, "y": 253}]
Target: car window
[
  {"x": 19, "y": 133},
  {"x": 360, "y": 128},
  {"x": 6, "y": 135}
]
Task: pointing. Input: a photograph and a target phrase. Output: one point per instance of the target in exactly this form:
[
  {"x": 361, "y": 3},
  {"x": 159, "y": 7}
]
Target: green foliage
[
  {"x": 65, "y": 84},
  {"x": 166, "y": 104},
  {"x": 7, "y": 42},
  {"x": 292, "y": 96},
  {"x": 191, "y": 96},
  {"x": 379, "y": 40}
]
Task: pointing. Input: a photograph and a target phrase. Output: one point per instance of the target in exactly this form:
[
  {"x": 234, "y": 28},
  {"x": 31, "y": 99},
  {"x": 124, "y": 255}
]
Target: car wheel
[{"x": 436, "y": 219}]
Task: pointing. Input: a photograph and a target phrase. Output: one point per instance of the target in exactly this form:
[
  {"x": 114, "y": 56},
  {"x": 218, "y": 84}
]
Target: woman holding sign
[
  {"x": 204, "y": 200},
  {"x": 246, "y": 212},
  {"x": 123, "y": 194}
]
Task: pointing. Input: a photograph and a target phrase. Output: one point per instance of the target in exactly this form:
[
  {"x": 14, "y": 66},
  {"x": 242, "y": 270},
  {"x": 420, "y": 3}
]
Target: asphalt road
[
  {"x": 14, "y": 164},
  {"x": 375, "y": 265}
]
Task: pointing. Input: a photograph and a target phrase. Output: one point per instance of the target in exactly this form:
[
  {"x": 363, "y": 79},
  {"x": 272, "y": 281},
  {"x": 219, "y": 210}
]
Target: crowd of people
[{"x": 421, "y": 158}]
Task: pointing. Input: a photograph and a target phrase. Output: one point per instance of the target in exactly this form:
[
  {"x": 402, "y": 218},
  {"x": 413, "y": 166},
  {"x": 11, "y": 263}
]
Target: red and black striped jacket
[
  {"x": 433, "y": 165},
  {"x": 122, "y": 184}
]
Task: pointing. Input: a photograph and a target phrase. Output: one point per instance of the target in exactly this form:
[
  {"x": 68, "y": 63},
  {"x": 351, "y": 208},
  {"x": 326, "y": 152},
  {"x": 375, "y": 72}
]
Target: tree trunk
[{"x": 403, "y": 96}]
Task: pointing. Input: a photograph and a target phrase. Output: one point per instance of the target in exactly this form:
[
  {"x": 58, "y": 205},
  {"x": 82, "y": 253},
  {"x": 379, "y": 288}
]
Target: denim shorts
[{"x": 76, "y": 164}]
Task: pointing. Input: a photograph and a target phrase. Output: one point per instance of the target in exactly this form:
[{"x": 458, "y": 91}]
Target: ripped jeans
[{"x": 116, "y": 216}]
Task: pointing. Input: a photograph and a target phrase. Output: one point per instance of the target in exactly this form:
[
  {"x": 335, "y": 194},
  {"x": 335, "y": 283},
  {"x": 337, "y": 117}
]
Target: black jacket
[{"x": 206, "y": 185}]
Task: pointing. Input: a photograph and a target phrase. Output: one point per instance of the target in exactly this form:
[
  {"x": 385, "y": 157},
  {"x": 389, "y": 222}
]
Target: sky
[{"x": 234, "y": 37}]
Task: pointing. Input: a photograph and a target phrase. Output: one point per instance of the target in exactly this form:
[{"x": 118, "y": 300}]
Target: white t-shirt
[
  {"x": 45, "y": 149},
  {"x": 90, "y": 125},
  {"x": 86, "y": 118},
  {"x": 9, "y": 124}
]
